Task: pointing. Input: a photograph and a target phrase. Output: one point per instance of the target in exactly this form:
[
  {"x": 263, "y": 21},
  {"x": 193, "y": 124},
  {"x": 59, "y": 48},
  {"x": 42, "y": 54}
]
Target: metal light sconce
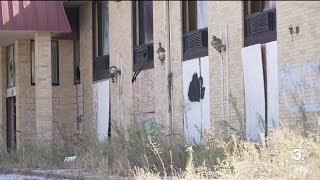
[
  {"x": 217, "y": 44},
  {"x": 291, "y": 31},
  {"x": 161, "y": 53},
  {"x": 113, "y": 72}
]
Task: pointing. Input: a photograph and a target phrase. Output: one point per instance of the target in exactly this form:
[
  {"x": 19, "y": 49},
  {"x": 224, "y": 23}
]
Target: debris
[{"x": 69, "y": 159}]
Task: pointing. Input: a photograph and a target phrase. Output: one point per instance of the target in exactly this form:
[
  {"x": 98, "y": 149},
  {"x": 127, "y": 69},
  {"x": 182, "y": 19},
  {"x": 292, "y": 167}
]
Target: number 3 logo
[{"x": 297, "y": 156}]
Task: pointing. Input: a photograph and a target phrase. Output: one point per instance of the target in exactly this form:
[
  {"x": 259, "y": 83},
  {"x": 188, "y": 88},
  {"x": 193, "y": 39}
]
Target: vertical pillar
[
  {"x": 43, "y": 86},
  {"x": 3, "y": 86},
  {"x": 66, "y": 86},
  {"x": 86, "y": 65},
  {"x": 22, "y": 62}
]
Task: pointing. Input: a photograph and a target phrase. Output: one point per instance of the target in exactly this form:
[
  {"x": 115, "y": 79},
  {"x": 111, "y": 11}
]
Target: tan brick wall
[
  {"x": 120, "y": 16},
  {"x": 2, "y": 96},
  {"x": 298, "y": 55},
  {"x": 162, "y": 34},
  {"x": 143, "y": 98},
  {"x": 30, "y": 127},
  {"x": 43, "y": 87},
  {"x": 160, "y": 71},
  {"x": 62, "y": 95},
  {"x": 22, "y": 63},
  {"x": 86, "y": 63},
  {"x": 301, "y": 51},
  {"x": 225, "y": 13},
  {"x": 121, "y": 45},
  {"x": 176, "y": 58},
  {"x": 66, "y": 98}
]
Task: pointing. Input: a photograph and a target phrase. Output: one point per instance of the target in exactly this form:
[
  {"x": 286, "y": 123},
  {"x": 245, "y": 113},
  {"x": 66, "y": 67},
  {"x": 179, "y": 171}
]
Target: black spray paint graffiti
[{"x": 196, "y": 89}]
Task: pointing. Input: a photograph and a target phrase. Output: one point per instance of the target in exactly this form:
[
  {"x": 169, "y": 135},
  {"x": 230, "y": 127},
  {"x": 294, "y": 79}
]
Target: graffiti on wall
[
  {"x": 301, "y": 85},
  {"x": 197, "y": 98}
]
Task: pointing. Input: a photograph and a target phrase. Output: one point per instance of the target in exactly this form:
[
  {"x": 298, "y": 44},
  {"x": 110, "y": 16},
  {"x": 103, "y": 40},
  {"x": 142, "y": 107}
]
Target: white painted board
[
  {"x": 272, "y": 85},
  {"x": 103, "y": 110},
  {"x": 254, "y": 90},
  {"x": 197, "y": 109}
]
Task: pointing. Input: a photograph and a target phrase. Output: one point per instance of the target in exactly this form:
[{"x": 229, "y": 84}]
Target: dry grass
[{"x": 130, "y": 153}]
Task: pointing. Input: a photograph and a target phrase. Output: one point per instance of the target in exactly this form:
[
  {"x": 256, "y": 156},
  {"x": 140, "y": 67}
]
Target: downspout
[
  {"x": 227, "y": 62},
  {"x": 222, "y": 81},
  {"x": 169, "y": 66}
]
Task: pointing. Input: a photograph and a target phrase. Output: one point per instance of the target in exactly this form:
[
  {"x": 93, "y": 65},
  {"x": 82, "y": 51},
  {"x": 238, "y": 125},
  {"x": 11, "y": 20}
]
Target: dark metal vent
[
  {"x": 196, "y": 39},
  {"x": 260, "y": 27},
  {"x": 195, "y": 44},
  {"x": 100, "y": 67},
  {"x": 260, "y": 23}
]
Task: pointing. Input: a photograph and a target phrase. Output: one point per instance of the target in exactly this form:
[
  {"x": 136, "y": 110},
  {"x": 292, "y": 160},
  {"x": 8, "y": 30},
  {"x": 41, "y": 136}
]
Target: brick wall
[
  {"x": 120, "y": 34},
  {"x": 298, "y": 59},
  {"x": 220, "y": 15},
  {"x": 43, "y": 87},
  {"x": 86, "y": 64},
  {"x": 120, "y": 28},
  {"x": 150, "y": 92},
  {"x": 23, "y": 77},
  {"x": 64, "y": 93}
]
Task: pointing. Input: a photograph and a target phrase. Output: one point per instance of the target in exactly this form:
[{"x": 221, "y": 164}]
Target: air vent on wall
[{"x": 260, "y": 23}]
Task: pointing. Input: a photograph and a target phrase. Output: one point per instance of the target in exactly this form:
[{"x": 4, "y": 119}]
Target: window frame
[
  {"x": 263, "y": 36},
  {"x": 142, "y": 50},
  {"x": 202, "y": 48},
  {"x": 98, "y": 72},
  {"x": 58, "y": 65}
]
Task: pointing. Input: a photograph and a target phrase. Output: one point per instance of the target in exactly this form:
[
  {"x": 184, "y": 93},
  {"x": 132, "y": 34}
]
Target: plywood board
[
  {"x": 272, "y": 87},
  {"x": 101, "y": 109},
  {"x": 196, "y": 94},
  {"x": 254, "y": 90}
]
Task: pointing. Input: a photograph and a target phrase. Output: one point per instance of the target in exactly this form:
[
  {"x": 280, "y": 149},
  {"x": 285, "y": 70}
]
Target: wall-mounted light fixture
[
  {"x": 161, "y": 53},
  {"x": 113, "y": 72},
  {"x": 291, "y": 31},
  {"x": 217, "y": 44}
]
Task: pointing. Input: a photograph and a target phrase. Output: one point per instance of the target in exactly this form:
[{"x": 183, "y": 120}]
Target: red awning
[{"x": 33, "y": 16}]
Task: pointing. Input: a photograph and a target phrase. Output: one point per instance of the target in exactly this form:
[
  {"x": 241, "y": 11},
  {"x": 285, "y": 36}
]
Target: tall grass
[{"x": 130, "y": 153}]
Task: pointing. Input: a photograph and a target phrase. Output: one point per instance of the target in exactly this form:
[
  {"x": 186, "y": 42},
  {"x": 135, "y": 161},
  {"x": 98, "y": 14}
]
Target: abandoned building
[{"x": 71, "y": 67}]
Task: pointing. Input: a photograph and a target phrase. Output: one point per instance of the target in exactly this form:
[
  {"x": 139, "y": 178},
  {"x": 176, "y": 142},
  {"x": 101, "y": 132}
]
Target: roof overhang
[
  {"x": 9, "y": 37},
  {"x": 29, "y": 15}
]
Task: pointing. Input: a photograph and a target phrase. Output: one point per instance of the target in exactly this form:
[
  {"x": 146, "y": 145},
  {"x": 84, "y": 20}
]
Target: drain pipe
[
  {"x": 169, "y": 65},
  {"x": 222, "y": 81},
  {"x": 227, "y": 64}
]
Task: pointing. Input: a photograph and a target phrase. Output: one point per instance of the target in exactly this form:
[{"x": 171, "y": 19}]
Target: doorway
[{"x": 11, "y": 124}]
